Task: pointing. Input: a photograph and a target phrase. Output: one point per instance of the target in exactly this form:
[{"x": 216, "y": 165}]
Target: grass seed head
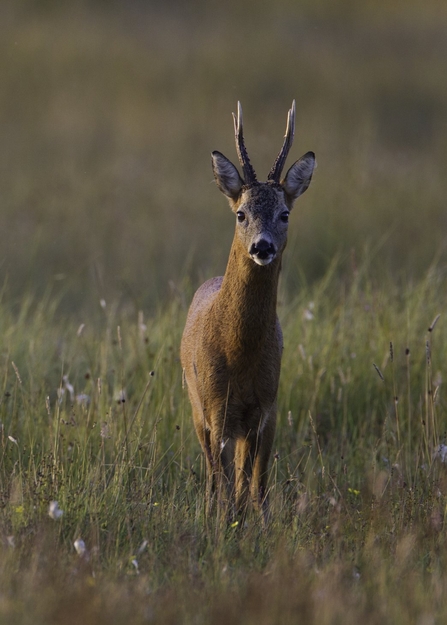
[
  {"x": 16, "y": 371},
  {"x": 121, "y": 396},
  {"x": 105, "y": 430},
  {"x": 379, "y": 373},
  {"x": 433, "y": 323}
]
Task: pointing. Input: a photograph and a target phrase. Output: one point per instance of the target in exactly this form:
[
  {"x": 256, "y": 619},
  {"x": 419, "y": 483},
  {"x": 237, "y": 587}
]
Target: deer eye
[
  {"x": 240, "y": 216},
  {"x": 285, "y": 216}
]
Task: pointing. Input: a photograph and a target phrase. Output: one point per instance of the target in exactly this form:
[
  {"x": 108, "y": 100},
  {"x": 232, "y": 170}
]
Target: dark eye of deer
[
  {"x": 285, "y": 217},
  {"x": 240, "y": 216}
]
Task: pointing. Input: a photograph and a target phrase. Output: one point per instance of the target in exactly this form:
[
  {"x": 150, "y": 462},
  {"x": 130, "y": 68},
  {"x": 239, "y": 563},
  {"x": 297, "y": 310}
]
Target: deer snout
[{"x": 263, "y": 251}]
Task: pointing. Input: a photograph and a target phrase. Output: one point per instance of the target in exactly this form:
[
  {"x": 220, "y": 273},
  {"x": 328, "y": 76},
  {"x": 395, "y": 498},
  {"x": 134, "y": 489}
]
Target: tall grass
[{"x": 95, "y": 418}]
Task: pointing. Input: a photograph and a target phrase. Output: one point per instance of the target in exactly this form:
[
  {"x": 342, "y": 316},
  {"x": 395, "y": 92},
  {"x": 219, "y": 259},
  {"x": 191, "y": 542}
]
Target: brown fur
[{"x": 232, "y": 343}]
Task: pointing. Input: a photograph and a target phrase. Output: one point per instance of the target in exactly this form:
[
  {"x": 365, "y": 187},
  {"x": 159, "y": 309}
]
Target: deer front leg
[
  {"x": 222, "y": 462},
  {"x": 260, "y": 469},
  {"x": 244, "y": 458}
]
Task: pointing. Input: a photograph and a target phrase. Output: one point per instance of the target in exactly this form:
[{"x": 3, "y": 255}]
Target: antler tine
[
  {"x": 278, "y": 165},
  {"x": 247, "y": 168}
]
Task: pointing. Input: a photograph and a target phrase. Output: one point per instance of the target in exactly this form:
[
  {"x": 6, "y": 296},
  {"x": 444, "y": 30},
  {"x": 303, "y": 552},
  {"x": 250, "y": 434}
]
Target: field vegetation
[{"x": 110, "y": 221}]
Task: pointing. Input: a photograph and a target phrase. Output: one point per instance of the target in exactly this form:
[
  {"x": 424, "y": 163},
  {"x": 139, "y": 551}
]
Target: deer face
[
  {"x": 262, "y": 208},
  {"x": 262, "y": 220}
]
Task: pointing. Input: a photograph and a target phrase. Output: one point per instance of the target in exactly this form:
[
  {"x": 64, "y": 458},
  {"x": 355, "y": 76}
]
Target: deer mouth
[
  {"x": 263, "y": 252},
  {"x": 263, "y": 260}
]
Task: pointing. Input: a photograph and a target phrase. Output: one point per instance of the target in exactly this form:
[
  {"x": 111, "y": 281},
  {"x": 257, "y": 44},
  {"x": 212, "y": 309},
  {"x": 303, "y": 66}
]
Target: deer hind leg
[{"x": 260, "y": 469}]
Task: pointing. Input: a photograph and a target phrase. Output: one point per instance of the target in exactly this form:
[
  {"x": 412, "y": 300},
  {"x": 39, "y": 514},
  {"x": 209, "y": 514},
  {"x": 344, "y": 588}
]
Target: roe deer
[{"x": 232, "y": 343}]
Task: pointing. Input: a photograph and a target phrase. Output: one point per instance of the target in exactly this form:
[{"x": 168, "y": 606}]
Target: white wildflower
[
  {"x": 68, "y": 386},
  {"x": 82, "y": 399},
  {"x": 308, "y": 315},
  {"x": 54, "y": 511},
  {"x": 80, "y": 547},
  {"x": 441, "y": 453}
]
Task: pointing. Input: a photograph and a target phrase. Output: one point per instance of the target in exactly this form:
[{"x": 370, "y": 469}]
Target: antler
[
  {"x": 247, "y": 168},
  {"x": 275, "y": 172}
]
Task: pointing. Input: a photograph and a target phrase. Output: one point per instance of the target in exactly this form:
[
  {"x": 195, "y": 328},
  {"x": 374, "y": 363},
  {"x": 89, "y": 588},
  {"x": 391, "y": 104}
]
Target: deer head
[{"x": 262, "y": 208}]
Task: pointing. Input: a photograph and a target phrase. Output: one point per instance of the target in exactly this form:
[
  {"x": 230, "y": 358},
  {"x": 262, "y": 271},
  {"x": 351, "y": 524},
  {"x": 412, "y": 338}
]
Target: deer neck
[{"x": 246, "y": 303}]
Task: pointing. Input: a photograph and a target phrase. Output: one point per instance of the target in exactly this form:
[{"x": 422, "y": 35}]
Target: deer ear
[
  {"x": 299, "y": 176},
  {"x": 227, "y": 176}
]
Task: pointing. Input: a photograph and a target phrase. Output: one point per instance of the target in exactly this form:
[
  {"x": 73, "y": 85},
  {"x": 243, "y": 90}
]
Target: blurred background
[{"x": 109, "y": 112}]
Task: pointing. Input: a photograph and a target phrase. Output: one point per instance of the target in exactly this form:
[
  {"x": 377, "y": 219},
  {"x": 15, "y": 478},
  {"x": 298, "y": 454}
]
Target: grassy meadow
[
  {"x": 358, "y": 481},
  {"x": 110, "y": 220}
]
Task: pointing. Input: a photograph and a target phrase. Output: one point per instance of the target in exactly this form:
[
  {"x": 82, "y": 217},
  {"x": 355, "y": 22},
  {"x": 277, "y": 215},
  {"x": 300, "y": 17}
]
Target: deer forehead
[{"x": 262, "y": 199}]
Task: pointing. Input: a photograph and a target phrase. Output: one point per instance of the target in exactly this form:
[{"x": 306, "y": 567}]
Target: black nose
[{"x": 262, "y": 249}]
